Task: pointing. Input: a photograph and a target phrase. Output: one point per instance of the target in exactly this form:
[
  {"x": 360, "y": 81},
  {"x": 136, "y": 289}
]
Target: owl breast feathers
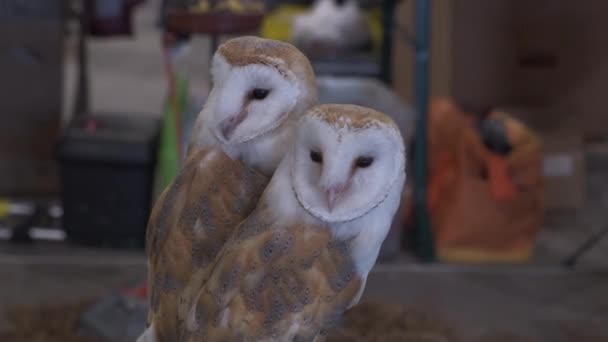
[
  {"x": 275, "y": 281},
  {"x": 189, "y": 224}
]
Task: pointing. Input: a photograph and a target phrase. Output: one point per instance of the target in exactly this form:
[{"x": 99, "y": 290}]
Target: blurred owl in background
[{"x": 331, "y": 27}]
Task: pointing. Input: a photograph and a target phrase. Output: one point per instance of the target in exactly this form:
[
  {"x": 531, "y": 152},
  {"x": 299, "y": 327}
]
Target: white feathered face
[
  {"x": 249, "y": 101},
  {"x": 340, "y": 174}
]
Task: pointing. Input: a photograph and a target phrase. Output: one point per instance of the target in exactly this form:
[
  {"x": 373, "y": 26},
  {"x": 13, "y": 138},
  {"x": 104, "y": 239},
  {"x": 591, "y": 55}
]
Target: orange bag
[{"x": 484, "y": 207}]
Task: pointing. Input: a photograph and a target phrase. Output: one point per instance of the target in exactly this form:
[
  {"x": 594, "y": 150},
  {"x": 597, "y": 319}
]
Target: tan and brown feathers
[
  {"x": 352, "y": 117},
  {"x": 189, "y": 224},
  {"x": 275, "y": 282},
  {"x": 286, "y": 58}
]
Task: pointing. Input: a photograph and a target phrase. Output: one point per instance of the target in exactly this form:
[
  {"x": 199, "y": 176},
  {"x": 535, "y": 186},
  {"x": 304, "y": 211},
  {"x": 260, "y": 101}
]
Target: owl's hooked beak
[
  {"x": 229, "y": 125},
  {"x": 334, "y": 193}
]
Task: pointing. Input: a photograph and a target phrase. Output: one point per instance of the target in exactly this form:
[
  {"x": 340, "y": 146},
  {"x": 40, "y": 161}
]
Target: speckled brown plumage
[
  {"x": 352, "y": 117},
  {"x": 190, "y": 222},
  {"x": 275, "y": 281},
  {"x": 284, "y": 57}
]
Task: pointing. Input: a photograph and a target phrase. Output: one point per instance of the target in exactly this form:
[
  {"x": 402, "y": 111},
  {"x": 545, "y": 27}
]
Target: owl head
[
  {"x": 260, "y": 87},
  {"x": 346, "y": 160}
]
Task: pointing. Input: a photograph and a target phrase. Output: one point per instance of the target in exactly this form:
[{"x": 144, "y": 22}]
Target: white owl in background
[{"x": 331, "y": 26}]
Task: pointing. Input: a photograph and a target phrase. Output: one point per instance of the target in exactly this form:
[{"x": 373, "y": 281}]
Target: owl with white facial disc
[
  {"x": 261, "y": 90},
  {"x": 303, "y": 255}
]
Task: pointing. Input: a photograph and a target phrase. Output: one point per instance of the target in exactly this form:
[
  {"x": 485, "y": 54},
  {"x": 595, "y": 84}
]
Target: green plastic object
[{"x": 169, "y": 159}]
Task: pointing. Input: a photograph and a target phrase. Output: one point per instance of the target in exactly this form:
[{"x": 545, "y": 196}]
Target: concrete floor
[
  {"x": 542, "y": 304},
  {"x": 539, "y": 303},
  {"x": 538, "y": 300}
]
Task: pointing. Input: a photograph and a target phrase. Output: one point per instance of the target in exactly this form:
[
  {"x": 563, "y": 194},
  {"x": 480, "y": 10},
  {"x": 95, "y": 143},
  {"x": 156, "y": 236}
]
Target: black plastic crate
[{"x": 107, "y": 167}]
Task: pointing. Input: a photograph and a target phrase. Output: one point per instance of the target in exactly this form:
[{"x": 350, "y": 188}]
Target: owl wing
[
  {"x": 274, "y": 282},
  {"x": 189, "y": 224}
]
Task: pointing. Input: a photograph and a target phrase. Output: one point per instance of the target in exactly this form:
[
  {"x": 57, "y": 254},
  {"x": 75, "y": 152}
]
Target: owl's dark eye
[
  {"x": 259, "y": 93},
  {"x": 316, "y": 157},
  {"x": 364, "y": 162}
]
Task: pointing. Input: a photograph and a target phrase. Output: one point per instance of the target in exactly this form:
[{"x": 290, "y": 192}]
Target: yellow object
[
  {"x": 374, "y": 20},
  {"x": 277, "y": 24},
  {"x": 202, "y": 6},
  {"x": 4, "y": 204},
  {"x": 231, "y": 6}
]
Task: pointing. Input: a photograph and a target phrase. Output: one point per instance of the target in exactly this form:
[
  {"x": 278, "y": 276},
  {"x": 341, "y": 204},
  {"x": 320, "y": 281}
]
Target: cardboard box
[
  {"x": 549, "y": 53},
  {"x": 468, "y": 51},
  {"x": 544, "y": 120},
  {"x": 564, "y": 165},
  {"x": 31, "y": 65},
  {"x": 564, "y": 171}
]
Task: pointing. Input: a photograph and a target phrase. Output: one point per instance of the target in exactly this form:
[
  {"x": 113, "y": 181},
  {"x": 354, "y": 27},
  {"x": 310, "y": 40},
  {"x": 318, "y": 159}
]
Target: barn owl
[
  {"x": 261, "y": 89},
  {"x": 303, "y": 255}
]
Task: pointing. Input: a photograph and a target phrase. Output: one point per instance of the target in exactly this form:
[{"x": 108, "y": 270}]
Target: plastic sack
[{"x": 484, "y": 207}]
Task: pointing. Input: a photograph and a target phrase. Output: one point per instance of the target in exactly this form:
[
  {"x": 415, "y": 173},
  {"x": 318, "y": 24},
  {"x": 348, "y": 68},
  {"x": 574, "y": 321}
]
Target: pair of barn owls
[{"x": 273, "y": 224}]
